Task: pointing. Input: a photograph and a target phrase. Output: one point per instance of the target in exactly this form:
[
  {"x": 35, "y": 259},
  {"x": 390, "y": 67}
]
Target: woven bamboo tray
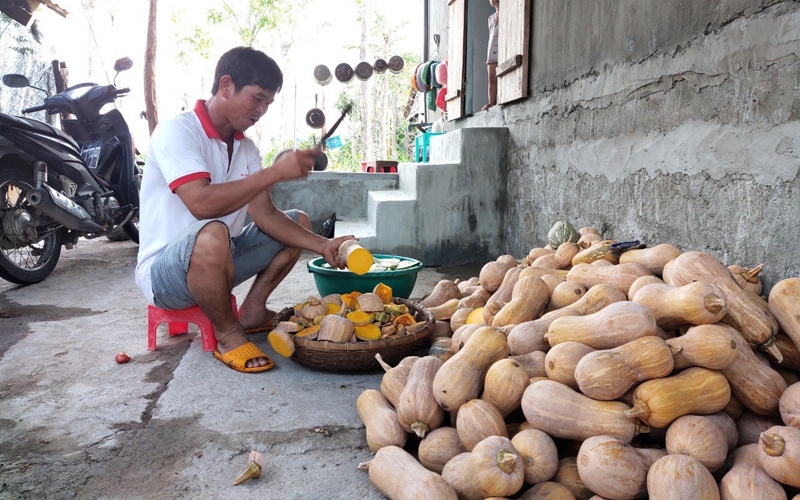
[{"x": 360, "y": 356}]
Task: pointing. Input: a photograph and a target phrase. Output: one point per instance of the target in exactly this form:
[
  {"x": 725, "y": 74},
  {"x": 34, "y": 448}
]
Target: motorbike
[{"x": 57, "y": 186}]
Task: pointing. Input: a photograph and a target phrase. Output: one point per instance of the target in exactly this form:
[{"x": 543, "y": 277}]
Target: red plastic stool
[{"x": 178, "y": 323}]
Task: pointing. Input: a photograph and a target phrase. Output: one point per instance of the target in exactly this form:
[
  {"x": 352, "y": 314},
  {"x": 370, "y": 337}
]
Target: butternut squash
[
  {"x": 616, "y": 324},
  {"x": 728, "y": 427},
  {"x": 565, "y": 252},
  {"x": 529, "y": 336},
  {"x": 417, "y": 410},
  {"x": 380, "y": 420},
  {"x": 708, "y": 346},
  {"x": 700, "y": 438},
  {"x": 587, "y": 240},
  {"x": 621, "y": 276},
  {"x": 492, "y": 274},
  {"x": 463, "y": 334},
  {"x": 547, "y": 490},
  {"x": 784, "y": 304},
  {"x": 444, "y": 311},
  {"x": 533, "y": 363},
  {"x": 461, "y": 377},
  {"x": 652, "y": 258},
  {"x": 459, "y": 318},
  {"x": 750, "y": 426},
  {"x": 746, "y": 479},
  {"x": 565, "y": 294},
  {"x": 597, "y": 250},
  {"x": 542, "y": 271},
  {"x": 478, "y": 419},
  {"x": 790, "y": 352},
  {"x": 547, "y": 261},
  {"x": 567, "y": 476},
  {"x": 561, "y": 360},
  {"x": 398, "y": 476},
  {"x": 503, "y": 293},
  {"x": 789, "y": 405},
  {"x": 641, "y": 281},
  {"x": 608, "y": 374},
  {"x": 598, "y": 297},
  {"x": 753, "y": 382},
  {"x": 693, "y": 391},
  {"x": 395, "y": 379},
  {"x": 678, "y": 477},
  {"x": 539, "y": 455},
  {"x": 747, "y": 312},
  {"x": 438, "y": 447},
  {"x": 472, "y": 301},
  {"x": 504, "y": 385},
  {"x": 357, "y": 258},
  {"x": 443, "y": 291},
  {"x": 552, "y": 281},
  {"x": 695, "y": 303},
  {"x": 442, "y": 348},
  {"x": 492, "y": 468},
  {"x": 561, "y": 412},
  {"x": 748, "y": 278},
  {"x": 779, "y": 454},
  {"x": 613, "y": 468},
  {"x": 528, "y": 300}
]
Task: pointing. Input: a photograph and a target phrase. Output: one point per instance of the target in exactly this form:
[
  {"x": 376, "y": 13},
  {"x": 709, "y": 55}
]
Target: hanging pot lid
[
  {"x": 322, "y": 74},
  {"x": 396, "y": 64},
  {"x": 380, "y": 65},
  {"x": 418, "y": 75},
  {"x": 434, "y": 82},
  {"x": 344, "y": 72},
  {"x": 363, "y": 70},
  {"x": 315, "y": 118}
]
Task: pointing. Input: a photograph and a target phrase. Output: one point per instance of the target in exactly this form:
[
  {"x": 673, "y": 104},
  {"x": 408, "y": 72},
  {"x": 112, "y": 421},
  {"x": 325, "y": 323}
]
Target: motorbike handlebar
[
  {"x": 34, "y": 109},
  {"x": 120, "y": 92}
]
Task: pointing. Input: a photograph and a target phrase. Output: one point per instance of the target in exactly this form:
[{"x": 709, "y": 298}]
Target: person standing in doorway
[{"x": 491, "y": 57}]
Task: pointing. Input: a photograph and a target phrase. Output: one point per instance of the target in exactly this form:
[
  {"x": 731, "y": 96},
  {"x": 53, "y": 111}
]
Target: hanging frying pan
[
  {"x": 321, "y": 160},
  {"x": 322, "y": 74},
  {"x": 315, "y": 118}
]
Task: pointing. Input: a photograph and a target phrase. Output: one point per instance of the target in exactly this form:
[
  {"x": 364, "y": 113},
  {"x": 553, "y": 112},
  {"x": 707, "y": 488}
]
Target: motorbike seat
[{"x": 36, "y": 126}]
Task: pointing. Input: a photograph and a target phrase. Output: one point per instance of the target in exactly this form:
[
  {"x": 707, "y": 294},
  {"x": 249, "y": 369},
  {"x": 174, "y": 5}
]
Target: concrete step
[{"x": 360, "y": 228}]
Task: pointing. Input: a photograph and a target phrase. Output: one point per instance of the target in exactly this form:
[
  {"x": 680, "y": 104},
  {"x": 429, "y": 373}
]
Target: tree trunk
[{"x": 150, "y": 100}]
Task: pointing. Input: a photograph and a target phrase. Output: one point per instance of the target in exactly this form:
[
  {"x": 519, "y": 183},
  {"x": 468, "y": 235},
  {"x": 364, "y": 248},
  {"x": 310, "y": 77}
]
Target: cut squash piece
[
  {"x": 360, "y": 318},
  {"x": 384, "y": 292},
  {"x": 358, "y": 258},
  {"x": 404, "y": 319},
  {"x": 350, "y": 299},
  {"x": 333, "y": 308},
  {"x": 309, "y": 333},
  {"x": 282, "y": 342},
  {"x": 368, "y": 332},
  {"x": 475, "y": 317}
]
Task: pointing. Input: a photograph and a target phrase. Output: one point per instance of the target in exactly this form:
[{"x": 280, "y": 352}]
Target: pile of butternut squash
[{"x": 585, "y": 370}]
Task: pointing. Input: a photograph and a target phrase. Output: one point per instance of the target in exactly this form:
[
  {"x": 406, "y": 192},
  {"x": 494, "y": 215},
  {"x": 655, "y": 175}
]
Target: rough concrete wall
[
  {"x": 326, "y": 192},
  {"x": 661, "y": 121}
]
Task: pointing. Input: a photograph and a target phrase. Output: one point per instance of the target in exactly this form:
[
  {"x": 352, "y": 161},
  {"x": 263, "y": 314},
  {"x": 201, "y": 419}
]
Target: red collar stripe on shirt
[{"x": 208, "y": 126}]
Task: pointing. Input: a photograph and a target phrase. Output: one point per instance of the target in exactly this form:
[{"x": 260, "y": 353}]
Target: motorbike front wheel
[{"x": 21, "y": 263}]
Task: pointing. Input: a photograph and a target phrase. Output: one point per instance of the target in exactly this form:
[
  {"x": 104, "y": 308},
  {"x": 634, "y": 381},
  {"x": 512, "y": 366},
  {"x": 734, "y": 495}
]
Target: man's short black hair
[{"x": 248, "y": 66}]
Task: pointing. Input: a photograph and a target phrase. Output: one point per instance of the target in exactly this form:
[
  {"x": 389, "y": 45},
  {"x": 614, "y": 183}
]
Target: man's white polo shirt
[{"x": 183, "y": 149}]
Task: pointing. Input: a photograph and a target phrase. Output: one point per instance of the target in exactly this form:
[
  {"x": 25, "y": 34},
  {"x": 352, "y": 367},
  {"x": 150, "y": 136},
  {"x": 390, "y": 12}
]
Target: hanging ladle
[{"x": 321, "y": 159}]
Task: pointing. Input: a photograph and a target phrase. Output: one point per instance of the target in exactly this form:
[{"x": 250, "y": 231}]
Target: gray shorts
[{"x": 252, "y": 251}]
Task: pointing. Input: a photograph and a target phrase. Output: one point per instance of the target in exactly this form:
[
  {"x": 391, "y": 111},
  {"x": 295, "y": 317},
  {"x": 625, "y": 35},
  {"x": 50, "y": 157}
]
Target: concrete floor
[{"x": 171, "y": 423}]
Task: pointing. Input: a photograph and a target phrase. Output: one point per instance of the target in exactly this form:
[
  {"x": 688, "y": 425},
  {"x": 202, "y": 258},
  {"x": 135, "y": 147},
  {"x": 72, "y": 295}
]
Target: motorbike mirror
[
  {"x": 16, "y": 81},
  {"x": 123, "y": 64}
]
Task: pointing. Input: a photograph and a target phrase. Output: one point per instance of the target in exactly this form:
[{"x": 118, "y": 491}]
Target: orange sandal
[
  {"x": 265, "y": 327},
  {"x": 237, "y": 358}
]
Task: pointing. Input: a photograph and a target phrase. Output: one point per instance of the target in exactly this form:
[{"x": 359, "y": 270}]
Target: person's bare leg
[
  {"x": 253, "y": 311},
  {"x": 210, "y": 280},
  {"x": 491, "y": 69}
]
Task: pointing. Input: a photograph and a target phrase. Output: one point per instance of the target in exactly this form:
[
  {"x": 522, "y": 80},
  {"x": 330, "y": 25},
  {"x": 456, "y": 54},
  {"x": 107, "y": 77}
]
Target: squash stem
[
  {"x": 506, "y": 461},
  {"x": 772, "y": 444}
]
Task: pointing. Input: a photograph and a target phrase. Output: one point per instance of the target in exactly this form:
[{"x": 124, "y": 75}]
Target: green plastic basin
[{"x": 341, "y": 281}]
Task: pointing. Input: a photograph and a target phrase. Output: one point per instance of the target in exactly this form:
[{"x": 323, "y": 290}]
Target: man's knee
[
  {"x": 303, "y": 220},
  {"x": 212, "y": 240}
]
